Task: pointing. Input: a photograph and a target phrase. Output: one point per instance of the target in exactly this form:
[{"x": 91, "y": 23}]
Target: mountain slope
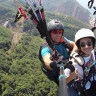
[{"x": 69, "y": 7}]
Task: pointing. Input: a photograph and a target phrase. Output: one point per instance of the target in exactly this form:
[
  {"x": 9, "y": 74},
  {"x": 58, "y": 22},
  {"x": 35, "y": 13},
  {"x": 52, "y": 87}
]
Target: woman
[{"x": 85, "y": 41}]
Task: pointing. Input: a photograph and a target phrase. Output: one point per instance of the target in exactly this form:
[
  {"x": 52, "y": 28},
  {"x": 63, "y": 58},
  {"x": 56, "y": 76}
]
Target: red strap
[{"x": 23, "y": 13}]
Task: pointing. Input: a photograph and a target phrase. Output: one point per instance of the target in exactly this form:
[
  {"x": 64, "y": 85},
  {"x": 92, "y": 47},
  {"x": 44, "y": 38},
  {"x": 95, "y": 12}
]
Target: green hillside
[
  {"x": 5, "y": 36},
  {"x": 20, "y": 73}
]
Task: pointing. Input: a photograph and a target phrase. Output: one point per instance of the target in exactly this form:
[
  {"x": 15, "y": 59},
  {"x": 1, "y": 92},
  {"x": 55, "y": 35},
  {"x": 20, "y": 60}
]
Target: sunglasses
[
  {"x": 88, "y": 44},
  {"x": 57, "y": 31}
]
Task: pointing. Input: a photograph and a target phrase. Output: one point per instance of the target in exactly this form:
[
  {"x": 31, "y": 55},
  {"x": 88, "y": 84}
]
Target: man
[{"x": 56, "y": 30}]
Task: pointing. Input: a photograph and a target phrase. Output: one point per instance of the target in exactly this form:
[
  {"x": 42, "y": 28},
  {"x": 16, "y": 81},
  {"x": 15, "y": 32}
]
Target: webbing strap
[{"x": 88, "y": 61}]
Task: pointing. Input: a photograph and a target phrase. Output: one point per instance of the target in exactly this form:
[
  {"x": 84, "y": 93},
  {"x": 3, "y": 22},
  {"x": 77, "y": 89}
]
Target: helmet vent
[
  {"x": 58, "y": 26},
  {"x": 56, "y": 21},
  {"x": 55, "y": 25}
]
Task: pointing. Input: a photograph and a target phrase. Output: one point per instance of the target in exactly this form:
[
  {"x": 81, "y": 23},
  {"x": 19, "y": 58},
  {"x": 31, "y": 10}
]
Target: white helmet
[{"x": 84, "y": 33}]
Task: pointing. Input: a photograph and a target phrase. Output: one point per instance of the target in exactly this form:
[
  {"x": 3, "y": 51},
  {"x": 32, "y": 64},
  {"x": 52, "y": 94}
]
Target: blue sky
[{"x": 84, "y": 3}]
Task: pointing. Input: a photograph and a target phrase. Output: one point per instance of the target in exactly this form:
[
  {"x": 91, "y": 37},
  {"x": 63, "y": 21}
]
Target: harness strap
[{"x": 88, "y": 61}]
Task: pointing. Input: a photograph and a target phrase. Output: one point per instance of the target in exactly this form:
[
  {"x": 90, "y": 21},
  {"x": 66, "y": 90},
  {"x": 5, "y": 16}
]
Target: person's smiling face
[
  {"x": 56, "y": 35},
  {"x": 86, "y": 46}
]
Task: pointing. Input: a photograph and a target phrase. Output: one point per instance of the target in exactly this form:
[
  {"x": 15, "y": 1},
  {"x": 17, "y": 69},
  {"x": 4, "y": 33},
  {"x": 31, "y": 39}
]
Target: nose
[{"x": 86, "y": 46}]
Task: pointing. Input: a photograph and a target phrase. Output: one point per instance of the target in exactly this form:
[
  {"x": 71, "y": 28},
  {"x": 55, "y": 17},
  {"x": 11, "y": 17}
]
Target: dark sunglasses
[
  {"x": 57, "y": 31},
  {"x": 88, "y": 44}
]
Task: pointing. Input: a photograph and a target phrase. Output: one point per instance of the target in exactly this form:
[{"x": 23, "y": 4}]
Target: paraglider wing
[
  {"x": 90, "y": 3},
  {"x": 21, "y": 12},
  {"x": 18, "y": 16}
]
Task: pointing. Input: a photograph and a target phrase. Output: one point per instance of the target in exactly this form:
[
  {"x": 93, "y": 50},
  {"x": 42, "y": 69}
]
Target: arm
[
  {"x": 74, "y": 47},
  {"x": 46, "y": 54},
  {"x": 47, "y": 61}
]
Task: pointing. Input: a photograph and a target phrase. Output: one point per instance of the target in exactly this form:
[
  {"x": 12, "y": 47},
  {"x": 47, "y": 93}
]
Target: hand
[
  {"x": 69, "y": 69},
  {"x": 74, "y": 74},
  {"x": 67, "y": 72},
  {"x": 56, "y": 63},
  {"x": 69, "y": 66}
]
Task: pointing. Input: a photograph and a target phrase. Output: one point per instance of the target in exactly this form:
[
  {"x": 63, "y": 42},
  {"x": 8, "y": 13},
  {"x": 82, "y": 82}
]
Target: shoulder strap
[
  {"x": 43, "y": 45},
  {"x": 52, "y": 51},
  {"x": 95, "y": 53},
  {"x": 88, "y": 61}
]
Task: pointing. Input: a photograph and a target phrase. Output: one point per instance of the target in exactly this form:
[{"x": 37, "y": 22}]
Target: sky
[{"x": 84, "y": 3}]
